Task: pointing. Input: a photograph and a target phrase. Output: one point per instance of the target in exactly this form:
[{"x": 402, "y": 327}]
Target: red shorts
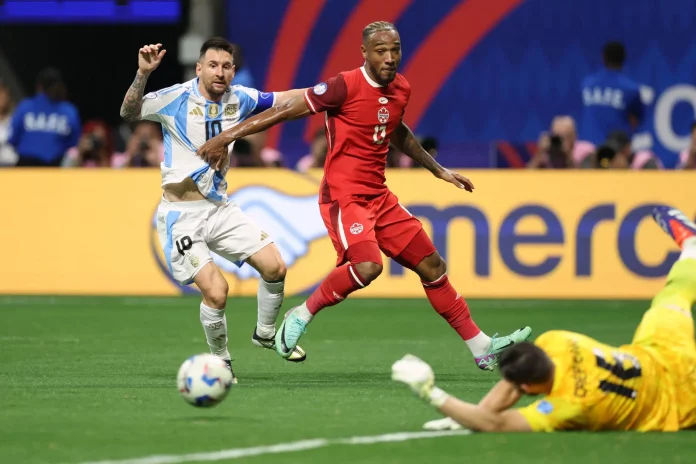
[{"x": 382, "y": 220}]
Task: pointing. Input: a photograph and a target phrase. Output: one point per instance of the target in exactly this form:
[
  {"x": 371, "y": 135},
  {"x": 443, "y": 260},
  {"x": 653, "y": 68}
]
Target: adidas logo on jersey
[{"x": 196, "y": 112}]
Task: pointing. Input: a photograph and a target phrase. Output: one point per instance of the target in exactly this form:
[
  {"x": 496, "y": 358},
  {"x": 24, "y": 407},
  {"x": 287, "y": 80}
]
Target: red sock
[
  {"x": 342, "y": 281},
  {"x": 451, "y": 306}
]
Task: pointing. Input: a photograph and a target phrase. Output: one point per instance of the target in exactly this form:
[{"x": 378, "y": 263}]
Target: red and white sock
[
  {"x": 453, "y": 308},
  {"x": 340, "y": 283}
]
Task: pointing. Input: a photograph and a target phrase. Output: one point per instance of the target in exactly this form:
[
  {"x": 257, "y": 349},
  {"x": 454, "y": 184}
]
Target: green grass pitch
[{"x": 90, "y": 379}]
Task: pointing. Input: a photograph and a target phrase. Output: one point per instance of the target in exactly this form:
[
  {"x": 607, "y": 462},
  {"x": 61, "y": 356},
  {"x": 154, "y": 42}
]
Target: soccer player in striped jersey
[{"x": 194, "y": 216}]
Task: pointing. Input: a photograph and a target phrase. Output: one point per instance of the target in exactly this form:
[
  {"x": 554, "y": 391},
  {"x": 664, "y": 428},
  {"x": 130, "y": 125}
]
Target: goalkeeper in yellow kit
[{"x": 648, "y": 385}]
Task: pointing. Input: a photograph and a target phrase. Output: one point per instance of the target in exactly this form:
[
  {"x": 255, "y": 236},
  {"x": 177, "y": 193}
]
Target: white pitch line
[{"x": 301, "y": 445}]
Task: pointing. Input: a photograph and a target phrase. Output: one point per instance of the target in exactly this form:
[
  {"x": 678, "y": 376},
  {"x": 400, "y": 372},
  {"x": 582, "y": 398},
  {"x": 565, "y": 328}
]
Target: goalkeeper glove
[{"x": 418, "y": 375}]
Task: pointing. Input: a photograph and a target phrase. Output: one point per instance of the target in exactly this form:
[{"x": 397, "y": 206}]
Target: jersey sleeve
[
  {"x": 152, "y": 104},
  {"x": 327, "y": 95},
  {"x": 251, "y": 101},
  {"x": 550, "y": 414},
  {"x": 636, "y": 106},
  {"x": 155, "y": 105},
  {"x": 75, "y": 127}
]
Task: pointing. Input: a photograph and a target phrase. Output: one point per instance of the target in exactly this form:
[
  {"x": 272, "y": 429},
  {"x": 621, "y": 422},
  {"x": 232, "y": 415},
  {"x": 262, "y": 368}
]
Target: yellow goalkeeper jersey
[{"x": 600, "y": 387}]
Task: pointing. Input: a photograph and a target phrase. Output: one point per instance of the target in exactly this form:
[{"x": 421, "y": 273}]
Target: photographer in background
[
  {"x": 560, "y": 148},
  {"x": 94, "y": 149},
  {"x": 687, "y": 158},
  {"x": 144, "y": 149},
  {"x": 615, "y": 153},
  {"x": 244, "y": 155}
]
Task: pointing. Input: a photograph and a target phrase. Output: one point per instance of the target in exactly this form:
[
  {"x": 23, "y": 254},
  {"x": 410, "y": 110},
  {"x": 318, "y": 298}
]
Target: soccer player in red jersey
[{"x": 363, "y": 111}]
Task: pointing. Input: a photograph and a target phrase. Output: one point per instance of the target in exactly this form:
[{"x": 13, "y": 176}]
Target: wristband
[{"x": 437, "y": 397}]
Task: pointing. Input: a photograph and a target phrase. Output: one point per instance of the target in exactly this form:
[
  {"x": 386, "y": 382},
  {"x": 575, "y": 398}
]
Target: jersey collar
[
  {"x": 369, "y": 79},
  {"x": 196, "y": 91}
]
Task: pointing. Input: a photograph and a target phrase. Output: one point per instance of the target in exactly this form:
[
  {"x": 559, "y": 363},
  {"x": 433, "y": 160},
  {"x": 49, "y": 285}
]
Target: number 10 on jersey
[{"x": 212, "y": 128}]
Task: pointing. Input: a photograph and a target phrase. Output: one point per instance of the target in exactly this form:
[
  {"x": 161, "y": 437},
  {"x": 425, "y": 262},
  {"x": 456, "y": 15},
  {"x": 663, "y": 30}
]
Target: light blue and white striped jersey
[{"x": 189, "y": 120}]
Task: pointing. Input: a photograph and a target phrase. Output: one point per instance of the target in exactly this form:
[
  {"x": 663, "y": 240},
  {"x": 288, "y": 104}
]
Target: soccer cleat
[
  {"x": 298, "y": 354},
  {"x": 675, "y": 223},
  {"x": 489, "y": 360},
  {"x": 289, "y": 334},
  {"x": 229, "y": 366}
]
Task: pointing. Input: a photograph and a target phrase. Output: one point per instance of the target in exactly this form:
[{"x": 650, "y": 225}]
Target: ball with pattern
[{"x": 204, "y": 380}]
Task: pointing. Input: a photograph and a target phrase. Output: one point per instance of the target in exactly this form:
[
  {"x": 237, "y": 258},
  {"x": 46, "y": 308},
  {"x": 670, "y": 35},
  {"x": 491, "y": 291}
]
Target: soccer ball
[{"x": 204, "y": 380}]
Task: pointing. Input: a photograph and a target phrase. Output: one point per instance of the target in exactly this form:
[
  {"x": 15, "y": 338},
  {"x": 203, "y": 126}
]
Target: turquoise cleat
[
  {"x": 289, "y": 334},
  {"x": 489, "y": 360}
]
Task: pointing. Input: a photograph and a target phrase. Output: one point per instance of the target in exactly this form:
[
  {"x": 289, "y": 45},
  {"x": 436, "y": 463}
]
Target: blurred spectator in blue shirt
[
  {"x": 45, "y": 126},
  {"x": 611, "y": 100}
]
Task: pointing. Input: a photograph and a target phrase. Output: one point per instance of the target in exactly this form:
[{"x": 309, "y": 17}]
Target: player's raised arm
[
  {"x": 406, "y": 142},
  {"x": 214, "y": 151},
  {"x": 298, "y": 104},
  {"x": 149, "y": 58}
]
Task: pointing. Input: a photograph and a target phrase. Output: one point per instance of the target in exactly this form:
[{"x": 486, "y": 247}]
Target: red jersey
[{"x": 360, "y": 116}]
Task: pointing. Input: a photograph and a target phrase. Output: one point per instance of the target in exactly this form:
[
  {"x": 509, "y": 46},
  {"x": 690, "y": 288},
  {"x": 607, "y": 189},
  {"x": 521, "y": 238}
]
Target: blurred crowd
[
  {"x": 46, "y": 130},
  {"x": 613, "y": 113}
]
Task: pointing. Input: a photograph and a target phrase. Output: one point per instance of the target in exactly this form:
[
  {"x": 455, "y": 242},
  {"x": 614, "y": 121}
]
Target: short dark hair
[
  {"x": 693, "y": 126},
  {"x": 614, "y": 54},
  {"x": 217, "y": 43},
  {"x": 525, "y": 363},
  {"x": 48, "y": 77},
  {"x": 377, "y": 26}
]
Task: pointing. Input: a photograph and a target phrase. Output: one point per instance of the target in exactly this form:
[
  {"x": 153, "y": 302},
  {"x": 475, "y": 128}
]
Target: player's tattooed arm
[
  {"x": 149, "y": 58},
  {"x": 404, "y": 140},
  {"x": 133, "y": 101}
]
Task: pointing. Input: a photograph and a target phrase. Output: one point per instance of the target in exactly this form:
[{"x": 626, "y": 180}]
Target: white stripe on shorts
[{"x": 341, "y": 232}]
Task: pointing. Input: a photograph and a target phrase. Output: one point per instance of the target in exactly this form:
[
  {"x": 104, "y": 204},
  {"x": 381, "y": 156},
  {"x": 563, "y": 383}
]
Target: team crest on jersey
[
  {"x": 320, "y": 88},
  {"x": 545, "y": 407},
  {"x": 383, "y": 115},
  {"x": 383, "y": 100},
  {"x": 231, "y": 110},
  {"x": 213, "y": 110},
  {"x": 356, "y": 228}
]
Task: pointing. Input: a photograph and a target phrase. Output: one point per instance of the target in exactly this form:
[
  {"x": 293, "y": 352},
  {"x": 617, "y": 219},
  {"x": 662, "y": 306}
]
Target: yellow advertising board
[{"x": 575, "y": 234}]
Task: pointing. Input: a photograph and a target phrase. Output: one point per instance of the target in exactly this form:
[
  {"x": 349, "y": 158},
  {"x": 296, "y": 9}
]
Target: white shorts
[{"x": 190, "y": 230}]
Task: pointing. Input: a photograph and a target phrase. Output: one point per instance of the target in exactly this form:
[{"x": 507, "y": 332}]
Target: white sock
[
  {"x": 303, "y": 313},
  {"x": 479, "y": 344},
  {"x": 270, "y": 300},
  {"x": 688, "y": 248},
  {"x": 215, "y": 327}
]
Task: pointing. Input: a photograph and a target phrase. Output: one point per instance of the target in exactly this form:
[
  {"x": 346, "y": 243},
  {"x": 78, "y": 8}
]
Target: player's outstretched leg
[
  {"x": 680, "y": 289},
  {"x": 365, "y": 266},
  {"x": 676, "y": 224},
  {"x": 271, "y": 266},
  {"x": 214, "y": 288},
  {"x": 432, "y": 270}
]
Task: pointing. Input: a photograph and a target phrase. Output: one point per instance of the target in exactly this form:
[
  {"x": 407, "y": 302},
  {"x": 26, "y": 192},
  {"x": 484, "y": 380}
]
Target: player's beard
[{"x": 215, "y": 93}]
